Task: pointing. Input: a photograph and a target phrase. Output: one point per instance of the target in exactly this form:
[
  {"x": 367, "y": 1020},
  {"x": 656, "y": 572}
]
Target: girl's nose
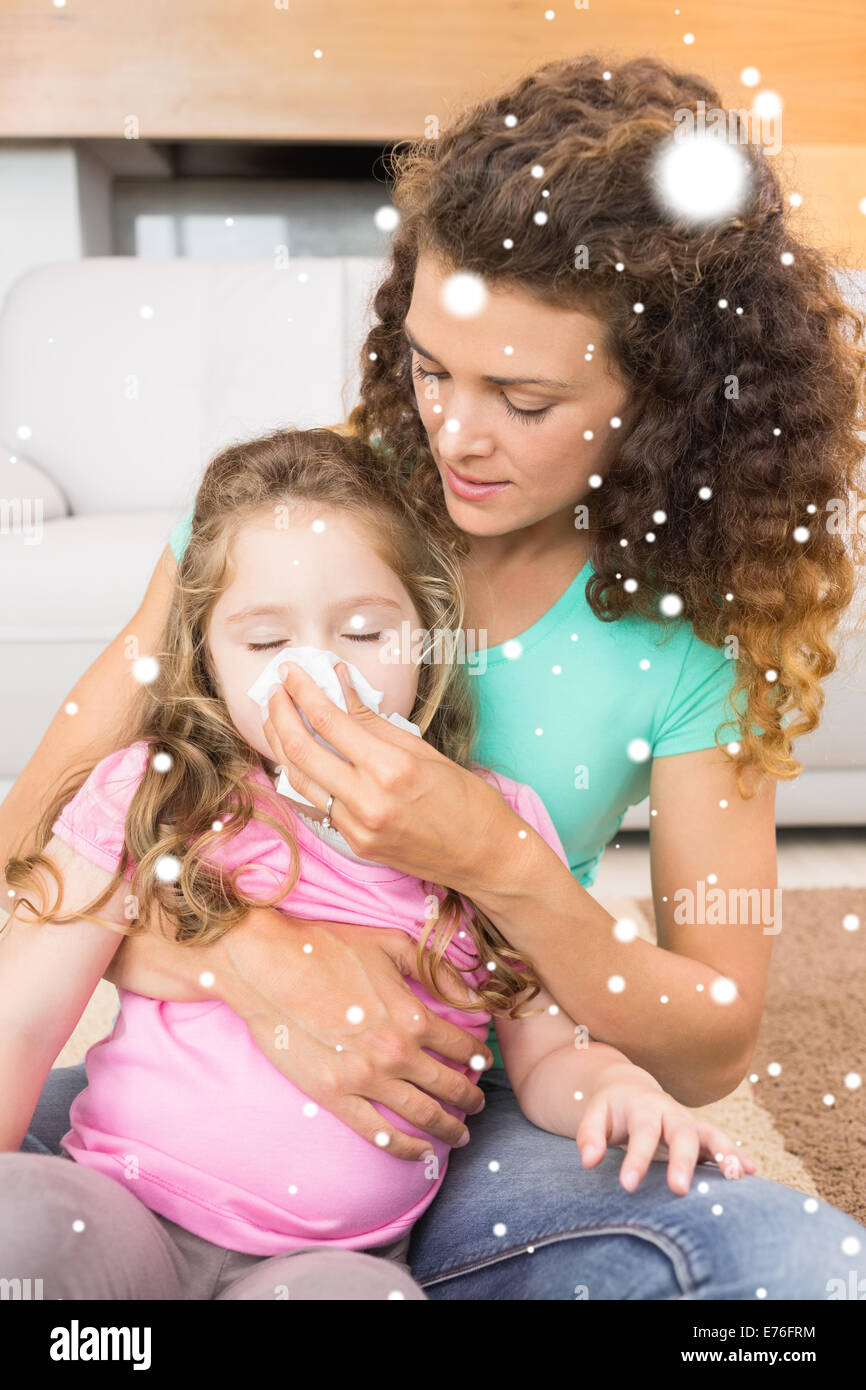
[{"x": 322, "y": 641}]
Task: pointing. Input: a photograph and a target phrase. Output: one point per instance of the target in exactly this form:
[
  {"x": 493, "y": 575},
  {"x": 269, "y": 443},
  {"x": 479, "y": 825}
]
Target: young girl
[{"x": 298, "y": 539}]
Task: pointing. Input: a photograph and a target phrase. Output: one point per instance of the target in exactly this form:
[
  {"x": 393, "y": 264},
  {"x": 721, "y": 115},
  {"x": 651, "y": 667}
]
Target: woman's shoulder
[{"x": 671, "y": 654}]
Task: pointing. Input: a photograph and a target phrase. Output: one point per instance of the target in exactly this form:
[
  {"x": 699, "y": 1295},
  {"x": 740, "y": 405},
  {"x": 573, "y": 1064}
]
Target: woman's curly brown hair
[{"x": 777, "y": 456}]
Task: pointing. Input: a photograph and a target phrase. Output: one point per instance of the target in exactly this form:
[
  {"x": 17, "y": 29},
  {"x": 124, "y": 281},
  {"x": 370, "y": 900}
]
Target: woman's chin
[{"x": 472, "y": 521}]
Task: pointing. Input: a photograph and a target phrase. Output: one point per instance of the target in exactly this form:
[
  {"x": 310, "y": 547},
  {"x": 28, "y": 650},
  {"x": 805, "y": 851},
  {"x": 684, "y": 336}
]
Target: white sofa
[{"x": 119, "y": 378}]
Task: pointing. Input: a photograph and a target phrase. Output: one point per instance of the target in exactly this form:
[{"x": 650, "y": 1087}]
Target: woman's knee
[{"x": 765, "y": 1240}]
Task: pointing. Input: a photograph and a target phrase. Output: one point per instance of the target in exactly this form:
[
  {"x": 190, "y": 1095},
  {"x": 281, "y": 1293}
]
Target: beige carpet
[{"x": 813, "y": 1026}]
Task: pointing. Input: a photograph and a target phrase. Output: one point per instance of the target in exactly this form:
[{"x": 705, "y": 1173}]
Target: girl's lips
[{"x": 475, "y": 491}]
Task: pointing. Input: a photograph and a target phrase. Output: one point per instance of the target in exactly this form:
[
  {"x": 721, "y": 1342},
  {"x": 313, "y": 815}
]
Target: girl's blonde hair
[{"x": 181, "y": 713}]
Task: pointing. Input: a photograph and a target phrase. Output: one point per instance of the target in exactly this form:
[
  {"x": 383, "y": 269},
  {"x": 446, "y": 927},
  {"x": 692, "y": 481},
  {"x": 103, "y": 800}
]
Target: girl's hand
[
  {"x": 397, "y": 800},
  {"x": 633, "y": 1113}
]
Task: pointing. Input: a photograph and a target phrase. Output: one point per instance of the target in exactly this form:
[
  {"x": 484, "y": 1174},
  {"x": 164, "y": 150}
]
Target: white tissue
[{"x": 320, "y": 665}]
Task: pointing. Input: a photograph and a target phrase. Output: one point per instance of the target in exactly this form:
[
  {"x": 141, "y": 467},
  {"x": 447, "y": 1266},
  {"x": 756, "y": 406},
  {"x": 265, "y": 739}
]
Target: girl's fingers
[
  {"x": 671, "y": 1137},
  {"x": 642, "y": 1144},
  {"x": 684, "y": 1145},
  {"x": 593, "y": 1132},
  {"x": 719, "y": 1147}
]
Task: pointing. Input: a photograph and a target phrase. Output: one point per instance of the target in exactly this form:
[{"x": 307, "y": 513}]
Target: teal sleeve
[
  {"x": 493, "y": 1044},
  {"x": 699, "y": 704},
  {"x": 179, "y": 536}
]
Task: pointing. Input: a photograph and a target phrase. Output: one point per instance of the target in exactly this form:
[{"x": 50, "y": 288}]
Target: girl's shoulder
[
  {"x": 93, "y": 820},
  {"x": 527, "y": 804},
  {"x": 118, "y": 774},
  {"x": 505, "y": 785}
]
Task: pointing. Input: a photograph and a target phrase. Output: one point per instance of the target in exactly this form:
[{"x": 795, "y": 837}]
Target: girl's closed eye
[{"x": 350, "y": 636}]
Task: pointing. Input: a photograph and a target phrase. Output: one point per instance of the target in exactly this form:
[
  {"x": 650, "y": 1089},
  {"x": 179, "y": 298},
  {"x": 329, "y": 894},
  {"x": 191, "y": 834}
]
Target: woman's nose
[{"x": 461, "y": 434}]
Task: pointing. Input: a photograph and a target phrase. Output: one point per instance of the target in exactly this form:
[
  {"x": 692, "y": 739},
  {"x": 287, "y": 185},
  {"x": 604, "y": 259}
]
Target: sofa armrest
[{"x": 23, "y": 481}]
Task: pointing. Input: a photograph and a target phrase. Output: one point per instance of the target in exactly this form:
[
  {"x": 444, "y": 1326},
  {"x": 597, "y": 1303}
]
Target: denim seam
[{"x": 678, "y": 1258}]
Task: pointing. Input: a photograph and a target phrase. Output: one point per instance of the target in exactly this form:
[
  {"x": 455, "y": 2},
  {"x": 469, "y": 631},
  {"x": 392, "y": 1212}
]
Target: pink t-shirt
[{"x": 186, "y": 1111}]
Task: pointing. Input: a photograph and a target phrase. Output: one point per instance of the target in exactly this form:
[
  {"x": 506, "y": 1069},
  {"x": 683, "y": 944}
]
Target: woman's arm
[
  {"x": 293, "y": 983},
  {"x": 104, "y": 696},
  {"x": 399, "y": 801},
  {"x": 668, "y": 1018},
  {"x": 48, "y": 971}
]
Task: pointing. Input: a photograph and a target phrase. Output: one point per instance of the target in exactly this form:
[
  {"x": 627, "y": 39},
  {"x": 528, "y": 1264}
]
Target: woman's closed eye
[{"x": 511, "y": 408}]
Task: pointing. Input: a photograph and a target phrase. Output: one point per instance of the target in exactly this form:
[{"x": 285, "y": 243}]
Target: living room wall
[{"x": 343, "y": 72}]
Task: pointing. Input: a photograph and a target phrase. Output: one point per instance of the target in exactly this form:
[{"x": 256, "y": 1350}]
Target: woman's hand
[
  {"x": 149, "y": 964},
  {"x": 397, "y": 800},
  {"x": 298, "y": 987},
  {"x": 295, "y": 1003},
  {"x": 630, "y": 1110}
]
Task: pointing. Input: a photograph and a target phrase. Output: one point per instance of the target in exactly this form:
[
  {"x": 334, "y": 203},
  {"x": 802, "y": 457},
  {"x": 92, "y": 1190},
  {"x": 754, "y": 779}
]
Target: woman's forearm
[
  {"x": 153, "y": 964},
  {"x": 255, "y": 964},
  {"x": 104, "y": 697},
  {"x": 693, "y": 1050}
]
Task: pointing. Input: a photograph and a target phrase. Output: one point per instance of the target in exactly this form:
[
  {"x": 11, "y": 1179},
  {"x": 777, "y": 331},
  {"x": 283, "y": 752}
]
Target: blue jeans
[{"x": 572, "y": 1233}]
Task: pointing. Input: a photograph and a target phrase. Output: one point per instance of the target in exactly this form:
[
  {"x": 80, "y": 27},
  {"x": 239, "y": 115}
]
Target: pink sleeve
[
  {"x": 93, "y": 823},
  {"x": 530, "y": 807}
]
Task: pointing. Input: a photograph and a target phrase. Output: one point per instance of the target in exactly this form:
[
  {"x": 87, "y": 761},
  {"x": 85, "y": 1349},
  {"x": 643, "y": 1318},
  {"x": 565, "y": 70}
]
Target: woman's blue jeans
[{"x": 571, "y": 1233}]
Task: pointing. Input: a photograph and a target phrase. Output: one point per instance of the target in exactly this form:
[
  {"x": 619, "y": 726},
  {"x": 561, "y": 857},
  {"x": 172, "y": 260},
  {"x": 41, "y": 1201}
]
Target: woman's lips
[{"x": 474, "y": 491}]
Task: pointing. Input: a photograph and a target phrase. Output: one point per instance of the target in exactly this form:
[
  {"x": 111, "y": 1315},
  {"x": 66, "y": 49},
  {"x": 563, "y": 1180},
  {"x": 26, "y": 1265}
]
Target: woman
[{"x": 600, "y": 468}]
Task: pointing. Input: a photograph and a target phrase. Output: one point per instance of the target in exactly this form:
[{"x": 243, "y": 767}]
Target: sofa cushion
[
  {"x": 129, "y": 374},
  {"x": 85, "y": 578},
  {"x": 22, "y": 482}
]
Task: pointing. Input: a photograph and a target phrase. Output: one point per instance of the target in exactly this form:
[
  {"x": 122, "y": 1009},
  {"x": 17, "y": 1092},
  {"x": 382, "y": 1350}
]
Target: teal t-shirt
[{"x": 578, "y": 708}]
